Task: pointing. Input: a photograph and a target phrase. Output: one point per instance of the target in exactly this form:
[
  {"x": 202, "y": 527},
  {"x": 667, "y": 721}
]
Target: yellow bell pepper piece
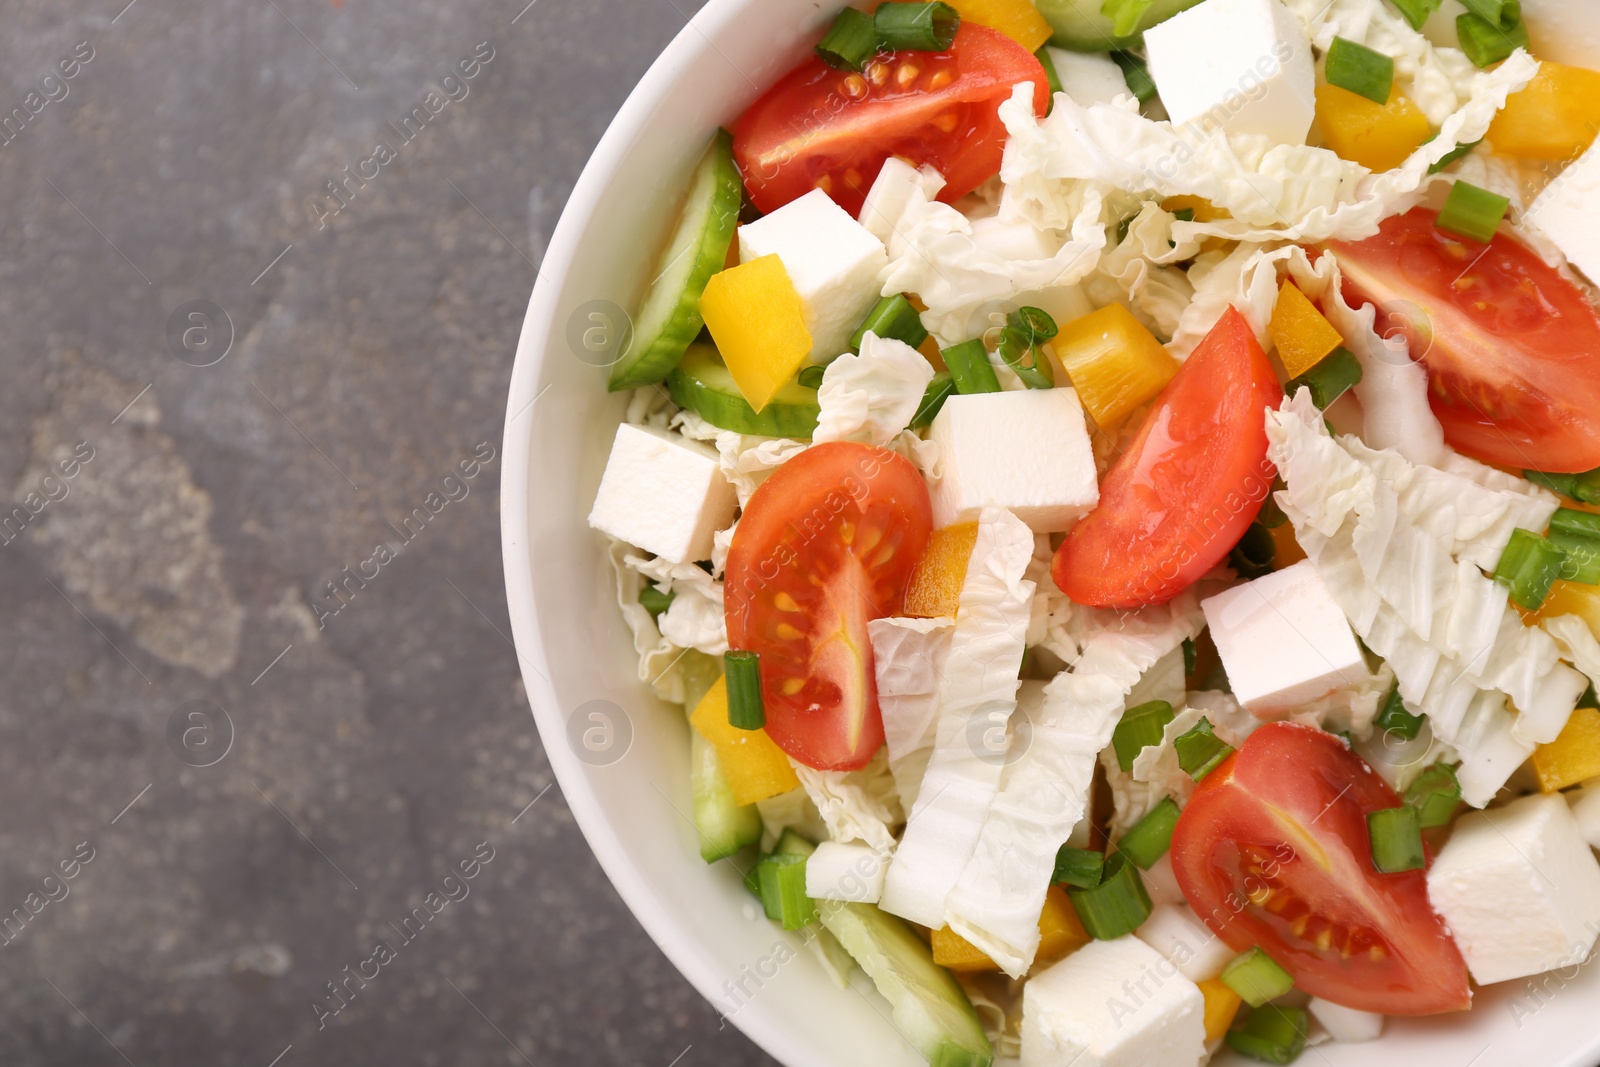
[
  {"x": 936, "y": 581},
  {"x": 1554, "y": 117},
  {"x": 1377, "y": 136},
  {"x": 1060, "y": 932},
  {"x": 1222, "y": 1004},
  {"x": 1303, "y": 335},
  {"x": 754, "y": 765},
  {"x": 1114, "y": 362},
  {"x": 1017, "y": 19},
  {"x": 1574, "y": 756},
  {"x": 758, "y": 322},
  {"x": 1204, "y": 210},
  {"x": 1288, "y": 550},
  {"x": 1570, "y": 598}
]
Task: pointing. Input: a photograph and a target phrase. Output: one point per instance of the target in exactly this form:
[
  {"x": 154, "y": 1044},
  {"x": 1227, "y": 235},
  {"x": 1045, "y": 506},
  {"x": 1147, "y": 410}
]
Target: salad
[{"x": 1115, "y": 487}]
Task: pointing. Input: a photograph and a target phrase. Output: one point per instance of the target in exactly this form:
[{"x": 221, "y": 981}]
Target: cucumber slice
[
  {"x": 931, "y": 1010},
  {"x": 702, "y": 384},
  {"x": 669, "y": 317},
  {"x": 724, "y": 827},
  {"x": 1079, "y": 26}
]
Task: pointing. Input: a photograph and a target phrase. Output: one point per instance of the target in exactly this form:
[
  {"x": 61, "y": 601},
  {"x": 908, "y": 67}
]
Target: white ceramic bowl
[{"x": 575, "y": 649}]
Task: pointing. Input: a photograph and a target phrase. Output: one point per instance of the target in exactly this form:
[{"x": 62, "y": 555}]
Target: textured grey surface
[{"x": 184, "y": 566}]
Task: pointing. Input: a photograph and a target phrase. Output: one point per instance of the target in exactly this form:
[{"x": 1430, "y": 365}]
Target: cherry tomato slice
[
  {"x": 832, "y": 129},
  {"x": 1509, "y": 344},
  {"x": 1188, "y": 486},
  {"x": 1273, "y": 851},
  {"x": 825, "y": 545}
]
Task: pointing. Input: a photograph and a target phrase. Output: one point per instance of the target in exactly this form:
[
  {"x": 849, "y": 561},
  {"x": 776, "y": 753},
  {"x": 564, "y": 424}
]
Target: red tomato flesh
[
  {"x": 832, "y": 129},
  {"x": 1512, "y": 348},
  {"x": 825, "y": 545},
  {"x": 1189, "y": 485},
  {"x": 1273, "y": 851}
]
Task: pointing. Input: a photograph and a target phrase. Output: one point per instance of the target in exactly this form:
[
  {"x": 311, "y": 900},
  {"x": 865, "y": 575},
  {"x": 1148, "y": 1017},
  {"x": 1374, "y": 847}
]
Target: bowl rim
[{"x": 631, "y": 882}]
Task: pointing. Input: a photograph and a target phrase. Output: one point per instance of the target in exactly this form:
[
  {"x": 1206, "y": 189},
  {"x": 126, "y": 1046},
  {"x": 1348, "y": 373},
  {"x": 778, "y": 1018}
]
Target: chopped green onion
[
  {"x": 1136, "y": 75},
  {"x": 1051, "y": 77},
  {"x": 1435, "y": 795},
  {"x": 1189, "y": 653},
  {"x": 811, "y": 377},
  {"x": 1393, "y": 718},
  {"x": 1454, "y": 154},
  {"x": 1528, "y": 565},
  {"x": 1584, "y": 487},
  {"x": 1578, "y": 534},
  {"x": 654, "y": 600},
  {"x": 892, "y": 317},
  {"x": 783, "y": 891},
  {"x": 1026, "y": 329},
  {"x": 1140, "y": 725},
  {"x": 1148, "y": 839},
  {"x": 1416, "y": 12},
  {"x": 915, "y": 27},
  {"x": 1485, "y": 43},
  {"x": 1115, "y": 907},
  {"x": 1396, "y": 835},
  {"x": 1472, "y": 212},
  {"x": 746, "y": 711},
  {"x": 970, "y": 367},
  {"x": 933, "y": 398},
  {"x": 1336, "y": 372},
  {"x": 1081, "y": 868},
  {"x": 1271, "y": 515},
  {"x": 1253, "y": 555},
  {"x": 1256, "y": 977},
  {"x": 1359, "y": 69},
  {"x": 1272, "y": 1035},
  {"x": 850, "y": 41},
  {"x": 1125, "y": 15},
  {"x": 1184, "y": 214},
  {"x": 1498, "y": 12},
  {"x": 752, "y": 877},
  {"x": 1200, "y": 751}
]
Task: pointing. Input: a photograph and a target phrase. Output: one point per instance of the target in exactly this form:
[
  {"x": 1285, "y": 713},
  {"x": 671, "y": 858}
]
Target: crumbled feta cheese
[
  {"x": 837, "y": 871},
  {"x": 1088, "y": 77},
  {"x": 1243, "y": 66},
  {"x": 1027, "y": 451},
  {"x": 1175, "y": 931},
  {"x": 832, "y": 260},
  {"x": 1346, "y": 1024},
  {"x": 663, "y": 493},
  {"x": 1113, "y": 1004},
  {"x": 1564, "y": 213},
  {"x": 1586, "y": 810},
  {"x": 1519, "y": 889},
  {"x": 1283, "y": 640}
]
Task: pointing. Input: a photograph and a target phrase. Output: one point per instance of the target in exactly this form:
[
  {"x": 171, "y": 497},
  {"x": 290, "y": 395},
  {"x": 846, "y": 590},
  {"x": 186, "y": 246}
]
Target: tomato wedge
[
  {"x": 1509, "y": 344},
  {"x": 832, "y": 129},
  {"x": 1273, "y": 851},
  {"x": 825, "y": 545},
  {"x": 1188, "y": 486}
]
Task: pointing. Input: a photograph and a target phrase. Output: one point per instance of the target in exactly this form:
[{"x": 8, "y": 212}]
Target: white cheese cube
[
  {"x": 1025, "y": 450},
  {"x": 1519, "y": 889},
  {"x": 1586, "y": 809},
  {"x": 1175, "y": 931},
  {"x": 1113, "y": 1004},
  {"x": 1161, "y": 882},
  {"x": 1565, "y": 214},
  {"x": 1088, "y": 77},
  {"x": 1346, "y": 1024},
  {"x": 1283, "y": 640},
  {"x": 839, "y": 871},
  {"x": 663, "y": 493},
  {"x": 1241, "y": 66},
  {"x": 832, "y": 260}
]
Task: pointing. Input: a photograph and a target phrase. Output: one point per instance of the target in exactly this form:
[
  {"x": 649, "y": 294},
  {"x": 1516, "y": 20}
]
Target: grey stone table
[{"x": 223, "y": 785}]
